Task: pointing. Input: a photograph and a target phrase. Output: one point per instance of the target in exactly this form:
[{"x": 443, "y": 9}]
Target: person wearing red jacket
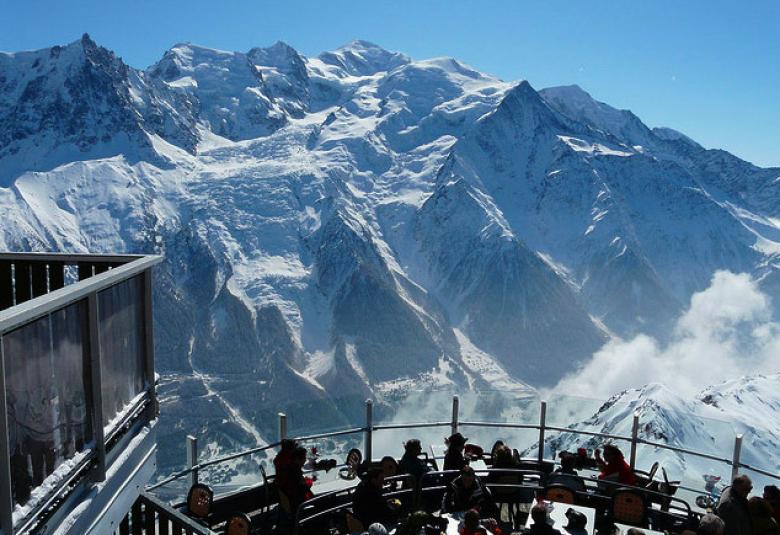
[{"x": 614, "y": 466}]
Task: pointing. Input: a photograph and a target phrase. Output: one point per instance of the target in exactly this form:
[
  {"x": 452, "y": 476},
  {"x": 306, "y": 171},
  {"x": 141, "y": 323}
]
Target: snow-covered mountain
[
  {"x": 362, "y": 223},
  {"x": 707, "y": 422}
]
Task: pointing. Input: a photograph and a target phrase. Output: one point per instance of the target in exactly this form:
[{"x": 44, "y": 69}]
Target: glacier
[{"x": 364, "y": 224}]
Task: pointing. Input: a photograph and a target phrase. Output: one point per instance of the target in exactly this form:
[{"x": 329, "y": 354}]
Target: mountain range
[{"x": 362, "y": 224}]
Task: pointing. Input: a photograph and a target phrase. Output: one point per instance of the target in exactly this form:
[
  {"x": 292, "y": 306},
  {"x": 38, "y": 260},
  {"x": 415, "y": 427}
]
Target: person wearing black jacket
[
  {"x": 411, "y": 462},
  {"x": 368, "y": 504},
  {"x": 454, "y": 459},
  {"x": 467, "y": 492}
]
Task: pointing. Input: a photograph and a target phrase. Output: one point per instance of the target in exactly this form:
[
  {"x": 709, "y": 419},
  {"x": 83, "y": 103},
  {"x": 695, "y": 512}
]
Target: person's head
[
  {"x": 389, "y": 466},
  {"x": 612, "y": 453},
  {"x": 413, "y": 446},
  {"x": 456, "y": 442},
  {"x": 375, "y": 477},
  {"x": 377, "y": 529},
  {"x": 471, "y": 519},
  {"x": 759, "y": 507},
  {"x": 498, "y": 444},
  {"x": 772, "y": 495},
  {"x": 468, "y": 476},
  {"x": 568, "y": 463},
  {"x": 299, "y": 455},
  {"x": 710, "y": 524},
  {"x": 741, "y": 486},
  {"x": 502, "y": 457},
  {"x": 287, "y": 445},
  {"x": 539, "y": 513}
]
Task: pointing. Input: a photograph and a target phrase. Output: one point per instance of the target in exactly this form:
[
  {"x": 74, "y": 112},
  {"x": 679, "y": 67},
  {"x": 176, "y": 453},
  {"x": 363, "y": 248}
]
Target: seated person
[
  {"x": 290, "y": 480},
  {"x": 472, "y": 525},
  {"x": 502, "y": 458},
  {"x": 411, "y": 462},
  {"x": 389, "y": 466},
  {"x": 498, "y": 444},
  {"x": 772, "y": 495},
  {"x": 614, "y": 466},
  {"x": 422, "y": 522},
  {"x": 540, "y": 525},
  {"x": 454, "y": 459},
  {"x": 566, "y": 474},
  {"x": 369, "y": 505},
  {"x": 761, "y": 518},
  {"x": 467, "y": 492}
]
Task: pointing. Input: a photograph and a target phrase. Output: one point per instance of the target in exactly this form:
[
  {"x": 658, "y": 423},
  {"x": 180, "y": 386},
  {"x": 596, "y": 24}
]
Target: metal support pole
[
  {"x": 542, "y": 423},
  {"x": 455, "y": 414},
  {"x": 6, "y": 498},
  {"x": 369, "y": 436},
  {"x": 735, "y": 459},
  {"x": 634, "y": 437},
  {"x": 282, "y": 426},
  {"x": 148, "y": 338},
  {"x": 192, "y": 458},
  {"x": 96, "y": 390}
]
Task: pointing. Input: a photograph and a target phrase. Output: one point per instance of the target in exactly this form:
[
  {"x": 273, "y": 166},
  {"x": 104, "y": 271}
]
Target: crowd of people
[{"x": 467, "y": 495}]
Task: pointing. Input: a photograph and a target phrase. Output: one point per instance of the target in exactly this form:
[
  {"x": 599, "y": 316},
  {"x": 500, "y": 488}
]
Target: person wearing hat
[
  {"x": 454, "y": 459},
  {"x": 576, "y": 522}
]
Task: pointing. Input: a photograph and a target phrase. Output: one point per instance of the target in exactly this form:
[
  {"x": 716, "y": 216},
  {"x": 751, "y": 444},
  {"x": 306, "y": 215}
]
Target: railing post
[
  {"x": 634, "y": 437},
  {"x": 735, "y": 458},
  {"x": 154, "y": 408},
  {"x": 455, "y": 414},
  {"x": 96, "y": 382},
  {"x": 542, "y": 423},
  {"x": 369, "y": 433},
  {"x": 6, "y": 498},
  {"x": 282, "y": 426},
  {"x": 192, "y": 458}
]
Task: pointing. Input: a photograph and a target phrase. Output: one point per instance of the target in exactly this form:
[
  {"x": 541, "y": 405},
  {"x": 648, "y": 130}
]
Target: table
[
  {"x": 557, "y": 517},
  {"x": 622, "y": 529}
]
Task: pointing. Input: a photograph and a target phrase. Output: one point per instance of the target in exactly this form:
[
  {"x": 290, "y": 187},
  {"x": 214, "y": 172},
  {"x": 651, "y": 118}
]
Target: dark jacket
[
  {"x": 370, "y": 506},
  {"x": 457, "y": 498},
  {"x": 542, "y": 529},
  {"x": 411, "y": 464},
  {"x": 454, "y": 460},
  {"x": 765, "y": 526},
  {"x": 290, "y": 480},
  {"x": 734, "y": 513}
]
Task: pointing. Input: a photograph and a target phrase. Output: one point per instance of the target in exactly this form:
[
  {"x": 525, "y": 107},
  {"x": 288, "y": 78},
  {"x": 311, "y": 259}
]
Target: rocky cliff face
[{"x": 362, "y": 224}]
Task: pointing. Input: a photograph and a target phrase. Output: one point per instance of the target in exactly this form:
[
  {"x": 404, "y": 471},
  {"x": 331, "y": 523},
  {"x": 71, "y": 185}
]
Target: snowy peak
[
  {"x": 361, "y": 58},
  {"x": 227, "y": 93},
  {"x": 577, "y": 104}
]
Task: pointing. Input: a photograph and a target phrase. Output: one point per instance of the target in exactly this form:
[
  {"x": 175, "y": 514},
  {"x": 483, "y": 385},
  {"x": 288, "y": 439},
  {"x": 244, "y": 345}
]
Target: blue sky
[{"x": 708, "y": 68}]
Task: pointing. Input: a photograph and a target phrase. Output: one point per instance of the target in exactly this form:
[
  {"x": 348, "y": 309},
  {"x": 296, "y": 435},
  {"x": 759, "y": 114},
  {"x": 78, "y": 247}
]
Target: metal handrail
[
  {"x": 40, "y": 306},
  {"x": 541, "y": 426}
]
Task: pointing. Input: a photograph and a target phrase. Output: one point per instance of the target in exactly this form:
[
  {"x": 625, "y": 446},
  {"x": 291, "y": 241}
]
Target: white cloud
[{"x": 727, "y": 332}]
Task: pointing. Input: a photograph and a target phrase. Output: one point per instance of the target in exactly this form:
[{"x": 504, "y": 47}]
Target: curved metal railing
[{"x": 542, "y": 427}]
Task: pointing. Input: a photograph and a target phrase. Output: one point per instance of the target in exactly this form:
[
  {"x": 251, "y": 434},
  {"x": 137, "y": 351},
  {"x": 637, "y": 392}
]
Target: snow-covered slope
[
  {"x": 707, "y": 422},
  {"x": 361, "y": 223}
]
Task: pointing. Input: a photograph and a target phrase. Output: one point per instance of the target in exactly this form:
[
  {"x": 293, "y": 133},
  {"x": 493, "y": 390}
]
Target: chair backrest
[
  {"x": 199, "y": 500},
  {"x": 560, "y": 494},
  {"x": 353, "y": 524},
  {"x": 238, "y": 524},
  {"x": 628, "y": 507}
]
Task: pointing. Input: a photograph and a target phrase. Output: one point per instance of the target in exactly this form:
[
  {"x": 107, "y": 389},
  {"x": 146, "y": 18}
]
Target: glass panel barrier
[
  {"x": 47, "y": 400},
  {"x": 120, "y": 324}
]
